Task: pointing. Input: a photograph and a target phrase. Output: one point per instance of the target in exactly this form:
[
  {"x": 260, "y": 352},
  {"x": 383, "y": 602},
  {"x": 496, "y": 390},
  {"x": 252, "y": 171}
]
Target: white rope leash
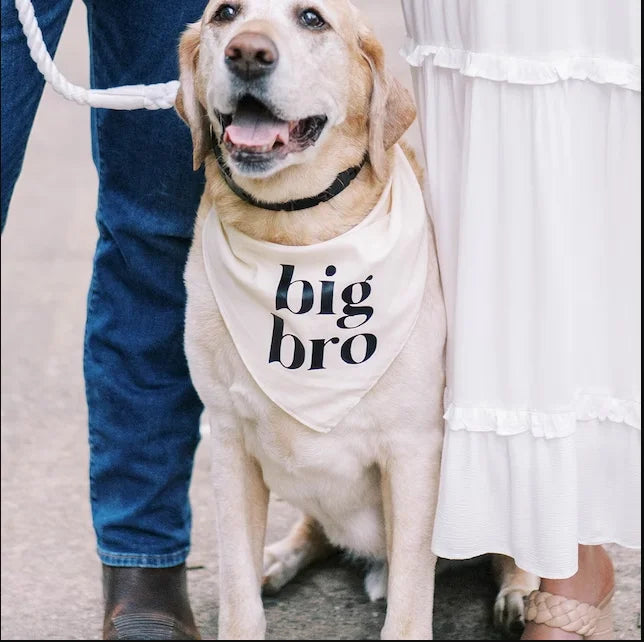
[{"x": 129, "y": 97}]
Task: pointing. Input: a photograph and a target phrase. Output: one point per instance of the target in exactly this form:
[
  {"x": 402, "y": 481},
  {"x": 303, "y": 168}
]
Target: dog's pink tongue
[{"x": 258, "y": 129}]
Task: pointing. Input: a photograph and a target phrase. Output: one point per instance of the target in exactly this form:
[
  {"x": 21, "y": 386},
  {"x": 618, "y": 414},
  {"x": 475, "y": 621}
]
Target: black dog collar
[{"x": 342, "y": 181}]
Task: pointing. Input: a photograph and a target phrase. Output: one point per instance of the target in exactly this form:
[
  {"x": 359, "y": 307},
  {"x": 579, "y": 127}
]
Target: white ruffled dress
[{"x": 531, "y": 118}]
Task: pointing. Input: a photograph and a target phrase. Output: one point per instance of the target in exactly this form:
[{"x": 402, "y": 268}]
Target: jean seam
[
  {"x": 93, "y": 288},
  {"x": 97, "y": 112},
  {"x": 90, "y": 295},
  {"x": 143, "y": 560}
]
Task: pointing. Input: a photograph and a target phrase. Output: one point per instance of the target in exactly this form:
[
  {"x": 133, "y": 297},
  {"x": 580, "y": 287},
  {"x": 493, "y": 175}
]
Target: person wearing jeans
[{"x": 143, "y": 411}]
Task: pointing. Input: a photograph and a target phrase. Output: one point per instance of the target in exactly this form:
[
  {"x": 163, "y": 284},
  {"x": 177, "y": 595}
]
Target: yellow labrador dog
[{"x": 296, "y": 119}]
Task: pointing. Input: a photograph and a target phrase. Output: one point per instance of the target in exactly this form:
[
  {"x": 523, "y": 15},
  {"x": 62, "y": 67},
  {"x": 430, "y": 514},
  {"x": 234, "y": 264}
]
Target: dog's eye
[
  {"x": 312, "y": 19},
  {"x": 226, "y": 13}
]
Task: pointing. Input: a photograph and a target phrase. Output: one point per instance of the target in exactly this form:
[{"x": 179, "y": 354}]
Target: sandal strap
[{"x": 563, "y": 613}]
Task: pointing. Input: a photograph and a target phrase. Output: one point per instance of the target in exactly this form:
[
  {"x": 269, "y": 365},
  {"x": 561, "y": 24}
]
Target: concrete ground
[{"x": 50, "y": 572}]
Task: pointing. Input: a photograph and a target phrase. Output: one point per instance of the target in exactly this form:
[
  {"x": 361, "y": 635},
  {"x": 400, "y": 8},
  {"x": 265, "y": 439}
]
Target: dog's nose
[{"x": 251, "y": 55}]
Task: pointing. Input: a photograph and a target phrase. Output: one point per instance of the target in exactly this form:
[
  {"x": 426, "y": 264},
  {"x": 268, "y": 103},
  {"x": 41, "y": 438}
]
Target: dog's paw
[
  {"x": 279, "y": 569},
  {"x": 283, "y": 560},
  {"x": 375, "y": 582},
  {"x": 509, "y": 611},
  {"x": 515, "y": 585}
]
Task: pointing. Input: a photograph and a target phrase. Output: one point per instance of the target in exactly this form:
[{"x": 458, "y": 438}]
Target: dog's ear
[
  {"x": 187, "y": 103},
  {"x": 392, "y": 108}
]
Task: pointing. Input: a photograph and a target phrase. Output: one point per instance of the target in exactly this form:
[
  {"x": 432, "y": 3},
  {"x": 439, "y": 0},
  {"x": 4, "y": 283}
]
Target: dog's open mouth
[{"x": 253, "y": 134}]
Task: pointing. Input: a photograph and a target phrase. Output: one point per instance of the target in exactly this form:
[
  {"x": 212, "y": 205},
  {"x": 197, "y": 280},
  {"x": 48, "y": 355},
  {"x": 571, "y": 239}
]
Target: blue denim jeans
[{"x": 143, "y": 411}]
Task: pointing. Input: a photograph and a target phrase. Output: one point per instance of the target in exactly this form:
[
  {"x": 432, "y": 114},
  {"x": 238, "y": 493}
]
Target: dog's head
[{"x": 281, "y": 82}]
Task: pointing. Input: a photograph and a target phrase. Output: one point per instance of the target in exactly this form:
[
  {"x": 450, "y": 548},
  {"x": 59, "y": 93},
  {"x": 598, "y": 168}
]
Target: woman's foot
[{"x": 591, "y": 584}]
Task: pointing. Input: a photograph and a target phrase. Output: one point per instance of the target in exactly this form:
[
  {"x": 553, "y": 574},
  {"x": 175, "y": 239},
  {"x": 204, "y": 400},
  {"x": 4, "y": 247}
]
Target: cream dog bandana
[{"x": 318, "y": 325}]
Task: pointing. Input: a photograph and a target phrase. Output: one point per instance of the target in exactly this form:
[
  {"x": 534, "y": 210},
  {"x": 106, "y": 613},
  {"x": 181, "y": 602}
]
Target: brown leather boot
[{"x": 147, "y": 604}]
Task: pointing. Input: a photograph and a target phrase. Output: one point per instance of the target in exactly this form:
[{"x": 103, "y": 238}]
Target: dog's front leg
[
  {"x": 241, "y": 502},
  {"x": 409, "y": 486}
]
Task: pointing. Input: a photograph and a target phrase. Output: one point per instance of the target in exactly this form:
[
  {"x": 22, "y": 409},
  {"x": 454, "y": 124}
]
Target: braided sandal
[{"x": 591, "y": 622}]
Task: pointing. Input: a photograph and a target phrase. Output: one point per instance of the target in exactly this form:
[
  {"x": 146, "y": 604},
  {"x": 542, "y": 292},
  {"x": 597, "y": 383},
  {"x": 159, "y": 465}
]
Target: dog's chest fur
[{"x": 332, "y": 477}]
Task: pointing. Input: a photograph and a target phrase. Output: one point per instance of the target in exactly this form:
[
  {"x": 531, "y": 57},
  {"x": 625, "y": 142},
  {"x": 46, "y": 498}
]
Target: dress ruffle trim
[
  {"x": 540, "y": 424},
  {"x": 527, "y": 71}
]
